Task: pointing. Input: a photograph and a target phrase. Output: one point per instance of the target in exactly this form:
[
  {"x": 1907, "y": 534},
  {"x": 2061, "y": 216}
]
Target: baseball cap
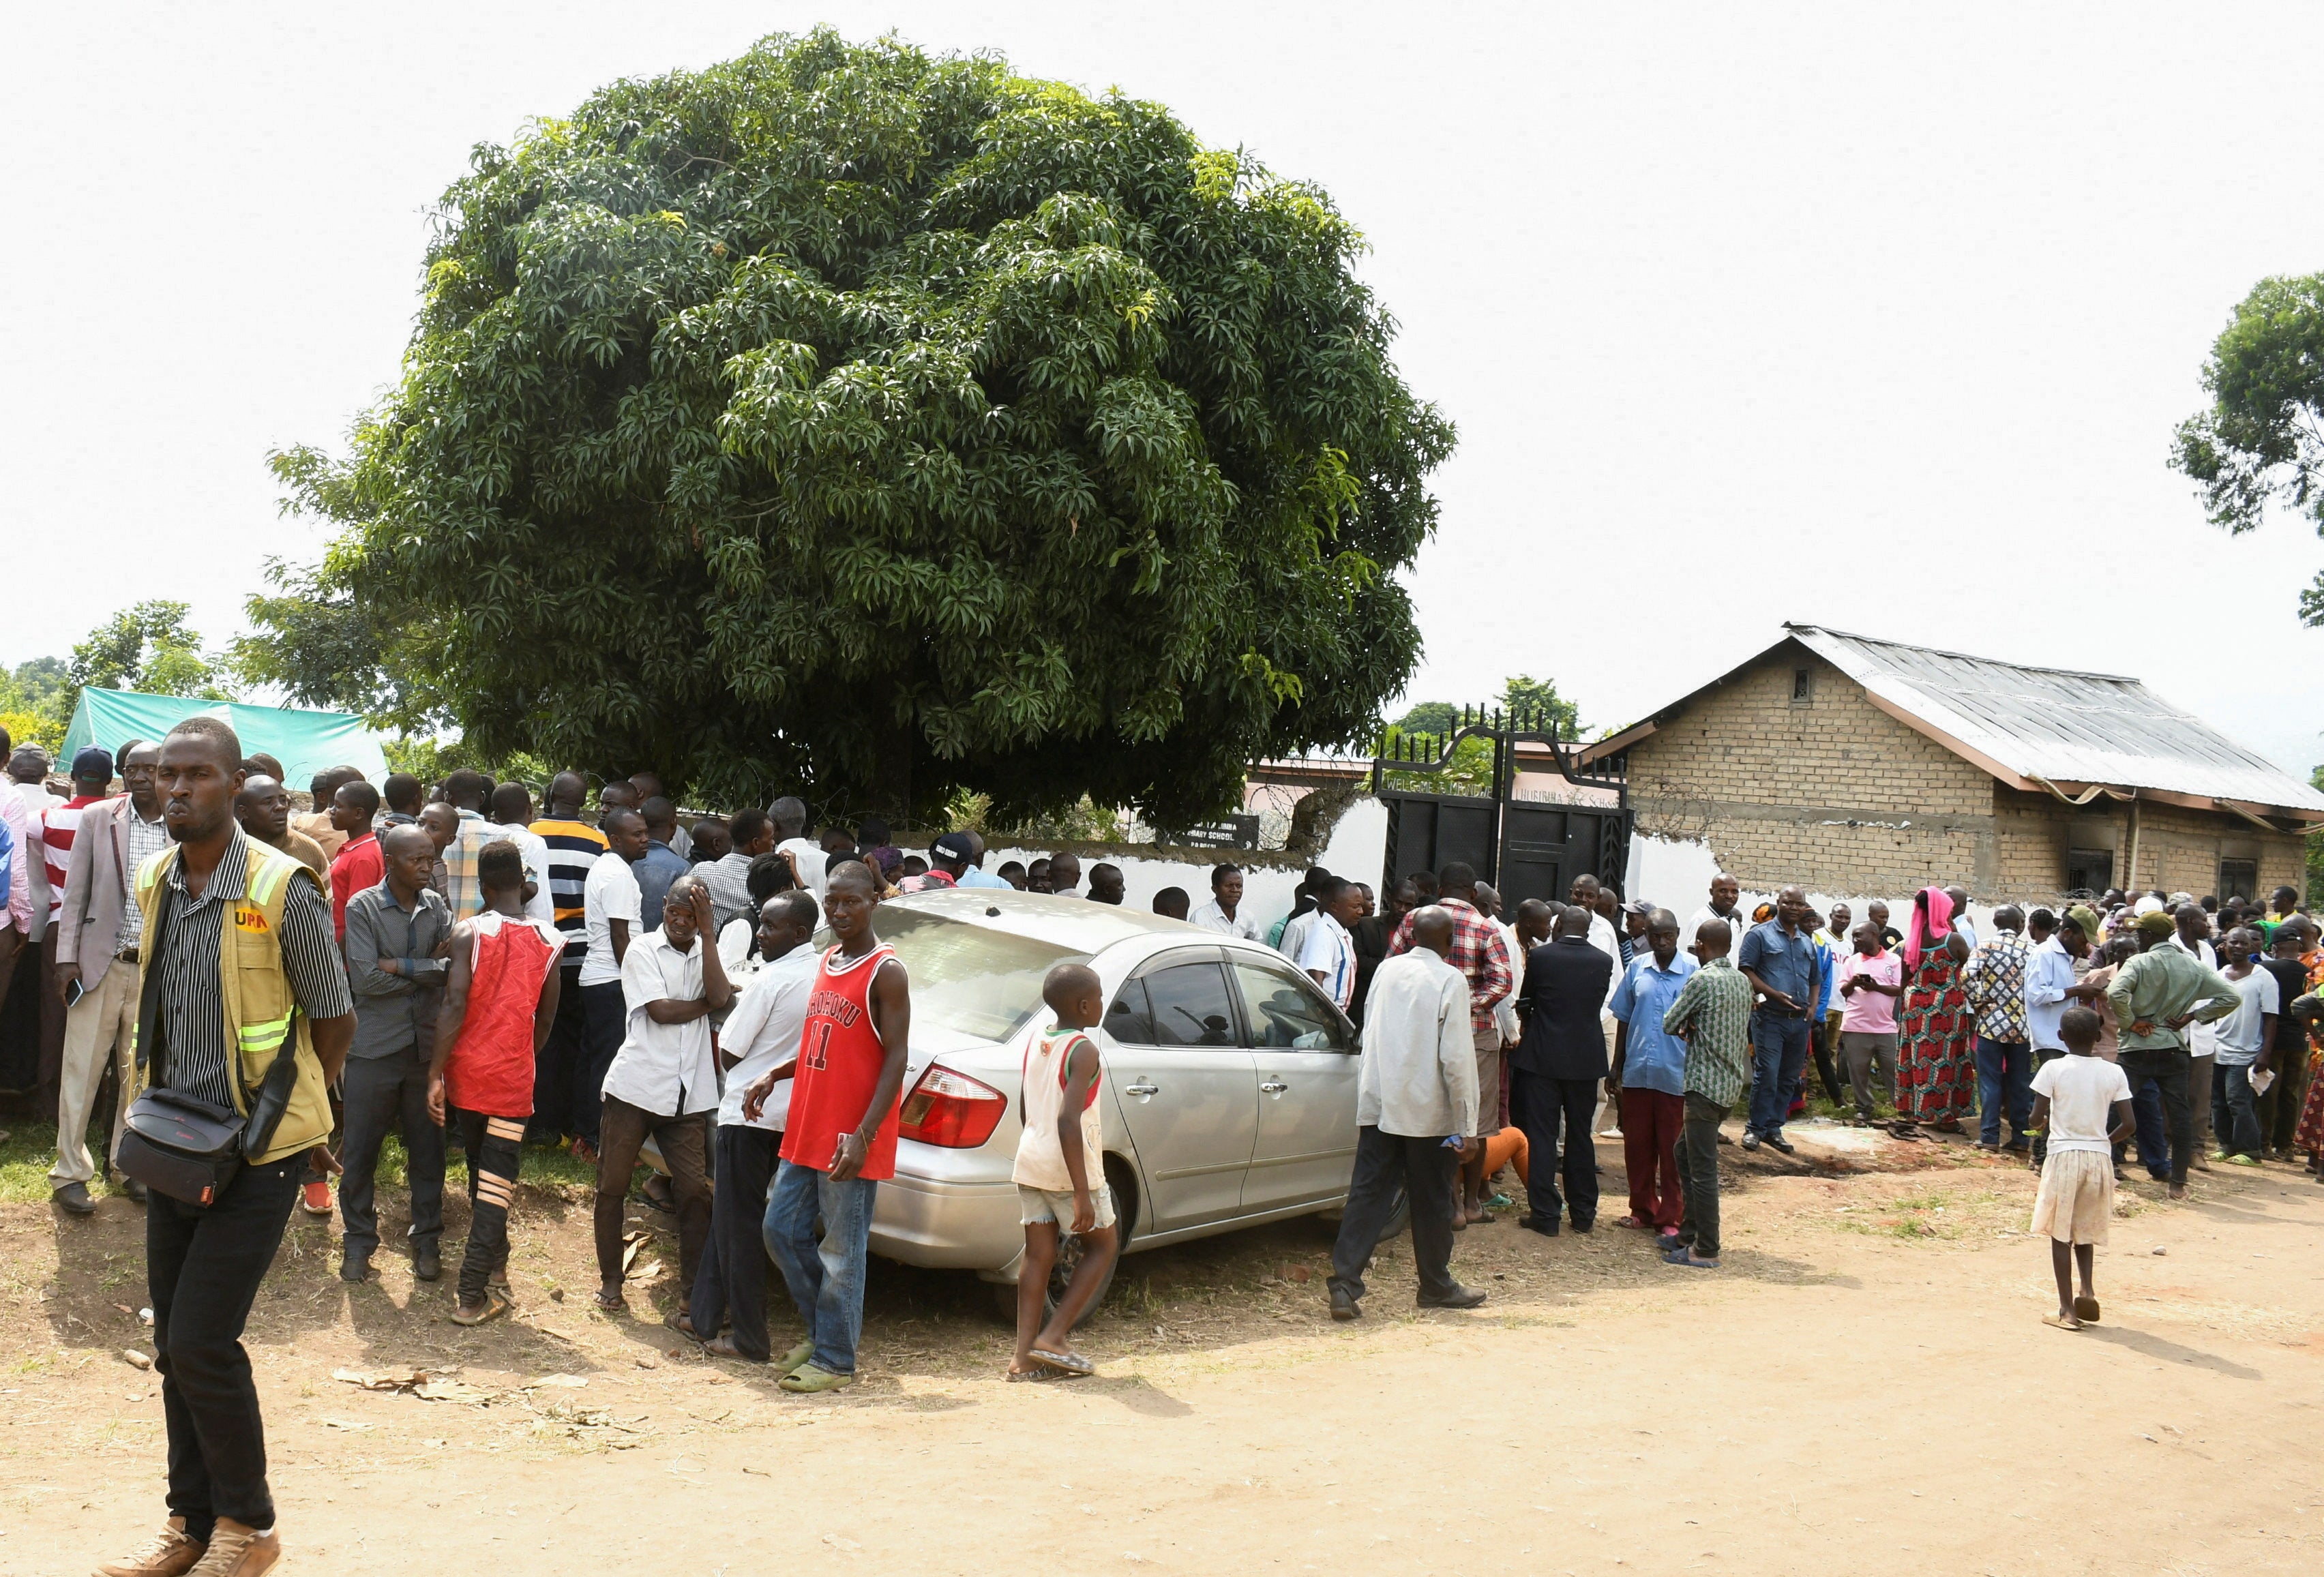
[
  {"x": 953, "y": 846},
  {"x": 93, "y": 760},
  {"x": 2156, "y": 924}
]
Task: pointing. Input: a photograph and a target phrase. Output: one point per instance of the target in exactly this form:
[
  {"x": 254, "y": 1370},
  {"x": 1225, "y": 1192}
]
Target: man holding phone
[{"x": 97, "y": 926}]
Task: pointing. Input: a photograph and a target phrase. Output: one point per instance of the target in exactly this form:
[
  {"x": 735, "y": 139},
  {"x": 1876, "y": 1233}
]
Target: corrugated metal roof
[{"x": 2057, "y": 724}]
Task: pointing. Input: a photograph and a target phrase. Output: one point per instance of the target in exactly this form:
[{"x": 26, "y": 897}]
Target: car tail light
[{"x": 950, "y": 1109}]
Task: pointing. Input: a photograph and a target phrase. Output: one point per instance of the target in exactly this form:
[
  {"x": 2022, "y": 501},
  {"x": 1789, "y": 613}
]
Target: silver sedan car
[{"x": 1229, "y": 1092}]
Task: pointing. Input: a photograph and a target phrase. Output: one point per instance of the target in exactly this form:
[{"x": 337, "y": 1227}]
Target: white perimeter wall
[{"x": 1677, "y": 875}]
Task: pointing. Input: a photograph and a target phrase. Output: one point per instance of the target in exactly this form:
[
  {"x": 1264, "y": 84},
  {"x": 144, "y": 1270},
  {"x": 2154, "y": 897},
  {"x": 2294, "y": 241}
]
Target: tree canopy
[
  {"x": 884, "y": 424},
  {"x": 2262, "y": 441}
]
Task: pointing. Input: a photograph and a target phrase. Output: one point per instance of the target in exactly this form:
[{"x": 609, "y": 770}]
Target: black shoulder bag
[{"x": 179, "y": 1144}]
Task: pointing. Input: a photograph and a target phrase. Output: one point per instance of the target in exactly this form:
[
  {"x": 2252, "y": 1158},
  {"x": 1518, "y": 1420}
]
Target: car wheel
[{"x": 1069, "y": 1255}]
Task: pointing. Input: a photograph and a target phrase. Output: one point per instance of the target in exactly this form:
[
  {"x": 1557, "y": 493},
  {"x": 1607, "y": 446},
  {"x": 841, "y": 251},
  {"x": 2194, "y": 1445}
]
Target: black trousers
[
  {"x": 1698, "y": 1173},
  {"x": 1542, "y": 1107},
  {"x": 202, "y": 1271},
  {"x": 1426, "y": 1168},
  {"x": 494, "y": 1147},
  {"x": 557, "y": 1066},
  {"x": 732, "y": 1280},
  {"x": 604, "y": 1018},
  {"x": 380, "y": 1093},
  {"x": 2168, "y": 1069}
]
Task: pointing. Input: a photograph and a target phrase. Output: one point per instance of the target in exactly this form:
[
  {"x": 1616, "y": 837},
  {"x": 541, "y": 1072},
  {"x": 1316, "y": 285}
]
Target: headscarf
[{"x": 1931, "y": 923}]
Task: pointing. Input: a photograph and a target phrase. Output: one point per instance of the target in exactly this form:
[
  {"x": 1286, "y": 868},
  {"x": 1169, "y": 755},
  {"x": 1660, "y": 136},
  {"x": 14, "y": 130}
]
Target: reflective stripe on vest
[{"x": 267, "y": 1037}]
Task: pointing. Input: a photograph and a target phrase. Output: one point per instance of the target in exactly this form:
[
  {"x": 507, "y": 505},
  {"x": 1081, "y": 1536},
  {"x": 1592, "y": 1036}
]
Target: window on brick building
[
  {"x": 1802, "y": 686},
  {"x": 2238, "y": 877},
  {"x": 2090, "y": 871}
]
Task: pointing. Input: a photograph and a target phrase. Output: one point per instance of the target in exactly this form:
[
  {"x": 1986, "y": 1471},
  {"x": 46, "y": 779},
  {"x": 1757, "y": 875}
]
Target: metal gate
[{"x": 1524, "y": 848}]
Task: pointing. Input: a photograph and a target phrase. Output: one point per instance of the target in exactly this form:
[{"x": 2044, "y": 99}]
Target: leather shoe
[
  {"x": 167, "y": 1554},
  {"x": 132, "y": 1189},
  {"x": 1547, "y": 1229},
  {"x": 427, "y": 1264},
  {"x": 1460, "y": 1298},
  {"x": 1777, "y": 1140},
  {"x": 73, "y": 1199},
  {"x": 1344, "y": 1306},
  {"x": 354, "y": 1270}
]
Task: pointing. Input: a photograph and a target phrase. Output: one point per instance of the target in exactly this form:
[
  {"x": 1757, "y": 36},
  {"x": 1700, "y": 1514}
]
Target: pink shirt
[{"x": 1866, "y": 1012}]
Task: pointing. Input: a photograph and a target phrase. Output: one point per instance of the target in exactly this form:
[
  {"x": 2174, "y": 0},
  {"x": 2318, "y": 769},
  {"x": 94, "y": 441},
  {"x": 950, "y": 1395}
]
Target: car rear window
[{"x": 969, "y": 979}]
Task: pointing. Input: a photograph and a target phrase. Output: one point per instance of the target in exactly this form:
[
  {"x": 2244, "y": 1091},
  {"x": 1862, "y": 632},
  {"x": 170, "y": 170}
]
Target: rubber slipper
[
  {"x": 2086, "y": 1310},
  {"x": 1033, "y": 1377},
  {"x": 1632, "y": 1221},
  {"x": 2053, "y": 1320},
  {"x": 1686, "y": 1259},
  {"x": 808, "y": 1378},
  {"x": 1072, "y": 1363}
]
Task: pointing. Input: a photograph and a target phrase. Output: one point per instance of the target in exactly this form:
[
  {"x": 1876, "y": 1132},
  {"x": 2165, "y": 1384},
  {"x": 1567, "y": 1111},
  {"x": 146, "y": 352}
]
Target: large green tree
[
  {"x": 883, "y": 424},
  {"x": 149, "y": 647},
  {"x": 2262, "y": 441}
]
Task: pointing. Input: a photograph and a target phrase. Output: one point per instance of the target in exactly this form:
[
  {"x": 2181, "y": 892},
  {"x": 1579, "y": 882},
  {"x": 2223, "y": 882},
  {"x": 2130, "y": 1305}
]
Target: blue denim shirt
[
  {"x": 1653, "y": 1058},
  {"x": 660, "y": 867},
  {"x": 1786, "y": 964}
]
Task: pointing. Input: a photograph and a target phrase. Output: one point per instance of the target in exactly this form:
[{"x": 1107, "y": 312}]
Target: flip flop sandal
[
  {"x": 682, "y": 1321},
  {"x": 1631, "y": 1220},
  {"x": 612, "y": 1306},
  {"x": 1066, "y": 1364},
  {"x": 2086, "y": 1310},
  {"x": 1686, "y": 1259},
  {"x": 1034, "y": 1377},
  {"x": 2053, "y": 1321},
  {"x": 496, "y": 1303}
]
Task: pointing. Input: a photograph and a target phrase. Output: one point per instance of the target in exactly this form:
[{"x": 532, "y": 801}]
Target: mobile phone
[{"x": 74, "y": 991}]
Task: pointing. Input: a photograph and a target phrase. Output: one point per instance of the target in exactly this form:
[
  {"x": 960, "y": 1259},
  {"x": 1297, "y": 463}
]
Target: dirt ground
[{"x": 1867, "y": 1382}]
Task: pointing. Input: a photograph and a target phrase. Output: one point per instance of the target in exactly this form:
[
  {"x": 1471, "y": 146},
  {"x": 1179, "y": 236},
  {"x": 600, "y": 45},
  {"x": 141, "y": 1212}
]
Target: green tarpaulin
[{"x": 305, "y": 743}]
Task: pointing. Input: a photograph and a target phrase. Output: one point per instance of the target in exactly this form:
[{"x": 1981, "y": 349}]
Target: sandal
[
  {"x": 1033, "y": 1377},
  {"x": 1634, "y": 1222},
  {"x": 496, "y": 1303},
  {"x": 2086, "y": 1310},
  {"x": 609, "y": 1303},
  {"x": 682, "y": 1321},
  {"x": 2063, "y": 1324},
  {"x": 1069, "y": 1363},
  {"x": 1688, "y": 1259}
]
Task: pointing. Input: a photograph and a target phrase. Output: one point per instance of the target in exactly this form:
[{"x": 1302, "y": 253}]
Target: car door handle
[
  {"x": 1274, "y": 1087},
  {"x": 1141, "y": 1088}
]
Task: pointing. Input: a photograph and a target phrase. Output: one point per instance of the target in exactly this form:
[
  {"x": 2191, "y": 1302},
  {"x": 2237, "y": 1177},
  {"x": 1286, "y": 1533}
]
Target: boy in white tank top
[{"x": 1060, "y": 1176}]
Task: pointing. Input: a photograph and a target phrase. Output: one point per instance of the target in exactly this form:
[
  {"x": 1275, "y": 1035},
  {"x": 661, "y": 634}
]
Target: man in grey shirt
[
  {"x": 1416, "y": 1115},
  {"x": 397, "y": 934}
]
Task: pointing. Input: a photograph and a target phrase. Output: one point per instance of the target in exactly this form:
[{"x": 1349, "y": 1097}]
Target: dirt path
[{"x": 1867, "y": 1382}]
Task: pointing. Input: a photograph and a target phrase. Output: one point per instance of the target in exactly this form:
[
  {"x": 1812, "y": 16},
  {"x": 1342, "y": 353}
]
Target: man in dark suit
[{"x": 1556, "y": 1069}]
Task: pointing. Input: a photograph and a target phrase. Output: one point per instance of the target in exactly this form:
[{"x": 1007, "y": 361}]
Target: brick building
[{"x": 1857, "y": 766}]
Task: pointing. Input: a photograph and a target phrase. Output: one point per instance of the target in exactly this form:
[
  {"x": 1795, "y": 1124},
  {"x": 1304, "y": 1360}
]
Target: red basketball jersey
[{"x": 839, "y": 1061}]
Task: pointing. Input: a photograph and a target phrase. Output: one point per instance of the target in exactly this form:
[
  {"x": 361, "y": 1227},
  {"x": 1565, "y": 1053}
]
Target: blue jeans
[
  {"x": 2235, "y": 1118},
  {"x": 825, "y": 1279},
  {"x": 1779, "y": 1054},
  {"x": 2005, "y": 1076}
]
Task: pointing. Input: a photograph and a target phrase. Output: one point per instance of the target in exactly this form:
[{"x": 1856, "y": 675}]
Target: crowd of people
[
  {"x": 1600, "y": 1015},
  {"x": 453, "y": 966}
]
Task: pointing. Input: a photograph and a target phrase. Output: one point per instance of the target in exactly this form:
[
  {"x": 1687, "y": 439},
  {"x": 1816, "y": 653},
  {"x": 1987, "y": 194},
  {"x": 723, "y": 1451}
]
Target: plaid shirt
[
  {"x": 1713, "y": 1011},
  {"x": 1478, "y": 952},
  {"x": 1994, "y": 979}
]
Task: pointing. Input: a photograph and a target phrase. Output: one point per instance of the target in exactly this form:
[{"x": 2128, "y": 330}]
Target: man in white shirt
[
  {"x": 1329, "y": 953},
  {"x": 1415, "y": 1116},
  {"x": 610, "y": 903},
  {"x": 512, "y": 816},
  {"x": 662, "y": 1079},
  {"x": 1224, "y": 913},
  {"x": 759, "y": 1046},
  {"x": 808, "y": 858},
  {"x": 1726, "y": 892},
  {"x": 2194, "y": 938}
]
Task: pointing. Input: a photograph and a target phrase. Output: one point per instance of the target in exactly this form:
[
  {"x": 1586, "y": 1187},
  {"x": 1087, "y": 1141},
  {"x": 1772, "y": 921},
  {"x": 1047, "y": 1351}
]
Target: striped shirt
[
  {"x": 146, "y": 839},
  {"x": 1713, "y": 1011},
  {"x": 60, "y": 825},
  {"x": 573, "y": 847},
  {"x": 192, "y": 1038}
]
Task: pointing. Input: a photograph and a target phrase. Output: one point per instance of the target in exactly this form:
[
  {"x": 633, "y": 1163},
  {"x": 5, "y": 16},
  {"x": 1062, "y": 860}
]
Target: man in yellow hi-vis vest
[{"x": 239, "y": 963}]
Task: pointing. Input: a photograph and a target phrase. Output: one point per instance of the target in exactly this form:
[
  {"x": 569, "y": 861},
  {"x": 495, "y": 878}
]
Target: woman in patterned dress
[{"x": 1935, "y": 1077}]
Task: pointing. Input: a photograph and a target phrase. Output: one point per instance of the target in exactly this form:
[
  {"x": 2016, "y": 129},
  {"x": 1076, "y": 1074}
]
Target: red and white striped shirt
[{"x": 60, "y": 825}]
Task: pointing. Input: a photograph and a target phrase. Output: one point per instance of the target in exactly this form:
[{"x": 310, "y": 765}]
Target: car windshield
[{"x": 968, "y": 978}]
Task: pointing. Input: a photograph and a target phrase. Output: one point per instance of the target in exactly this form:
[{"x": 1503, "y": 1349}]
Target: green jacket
[{"x": 2160, "y": 984}]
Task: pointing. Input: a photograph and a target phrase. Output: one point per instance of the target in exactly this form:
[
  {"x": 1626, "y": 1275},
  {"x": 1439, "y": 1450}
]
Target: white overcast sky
[{"x": 1745, "y": 313}]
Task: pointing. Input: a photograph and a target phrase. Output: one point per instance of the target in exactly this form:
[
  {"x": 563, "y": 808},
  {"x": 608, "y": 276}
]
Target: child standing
[
  {"x": 1060, "y": 1176},
  {"x": 499, "y": 1006},
  {"x": 2083, "y": 1102}
]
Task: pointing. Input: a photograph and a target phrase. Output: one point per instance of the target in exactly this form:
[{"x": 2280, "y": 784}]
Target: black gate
[{"x": 1526, "y": 848}]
